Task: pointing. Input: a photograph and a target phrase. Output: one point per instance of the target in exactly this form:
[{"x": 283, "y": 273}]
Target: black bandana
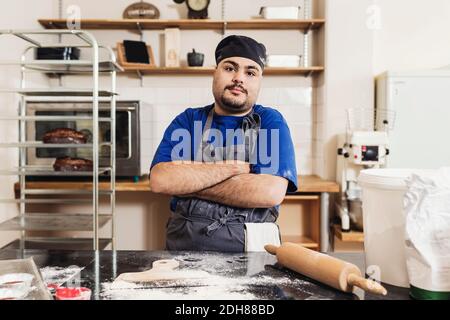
[{"x": 241, "y": 46}]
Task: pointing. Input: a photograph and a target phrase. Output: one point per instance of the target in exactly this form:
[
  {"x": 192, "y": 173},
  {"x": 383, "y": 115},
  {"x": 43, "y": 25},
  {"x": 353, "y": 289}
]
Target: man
[{"x": 226, "y": 164}]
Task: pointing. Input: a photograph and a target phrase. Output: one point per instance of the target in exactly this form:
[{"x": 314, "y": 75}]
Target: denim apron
[{"x": 198, "y": 224}]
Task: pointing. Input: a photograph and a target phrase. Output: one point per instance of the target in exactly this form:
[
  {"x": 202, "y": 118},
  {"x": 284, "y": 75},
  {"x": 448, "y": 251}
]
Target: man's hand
[{"x": 178, "y": 177}]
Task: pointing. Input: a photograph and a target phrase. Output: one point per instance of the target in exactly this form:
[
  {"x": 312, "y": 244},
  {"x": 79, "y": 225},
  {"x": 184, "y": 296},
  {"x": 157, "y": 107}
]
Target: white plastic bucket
[{"x": 384, "y": 223}]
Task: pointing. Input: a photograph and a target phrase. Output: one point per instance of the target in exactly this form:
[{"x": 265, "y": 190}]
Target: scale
[{"x": 360, "y": 148}]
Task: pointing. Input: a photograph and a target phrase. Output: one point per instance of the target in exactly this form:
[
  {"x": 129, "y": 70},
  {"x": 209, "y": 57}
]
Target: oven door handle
[{"x": 129, "y": 136}]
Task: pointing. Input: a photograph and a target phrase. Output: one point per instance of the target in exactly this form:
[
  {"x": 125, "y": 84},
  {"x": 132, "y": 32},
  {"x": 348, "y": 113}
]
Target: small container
[
  {"x": 279, "y": 12},
  {"x": 52, "y": 288},
  {"x": 78, "y": 293},
  {"x": 195, "y": 59},
  {"x": 57, "y": 53},
  {"x": 283, "y": 61}
]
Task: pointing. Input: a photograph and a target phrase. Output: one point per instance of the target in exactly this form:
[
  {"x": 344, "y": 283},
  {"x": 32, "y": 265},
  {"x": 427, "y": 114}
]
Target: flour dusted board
[{"x": 163, "y": 270}]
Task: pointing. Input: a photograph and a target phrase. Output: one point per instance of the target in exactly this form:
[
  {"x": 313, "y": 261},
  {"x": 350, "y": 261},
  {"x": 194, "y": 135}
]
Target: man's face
[{"x": 236, "y": 84}]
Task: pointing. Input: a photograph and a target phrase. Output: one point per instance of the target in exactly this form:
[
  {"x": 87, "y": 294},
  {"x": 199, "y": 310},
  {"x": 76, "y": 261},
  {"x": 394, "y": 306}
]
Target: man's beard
[{"x": 232, "y": 105}]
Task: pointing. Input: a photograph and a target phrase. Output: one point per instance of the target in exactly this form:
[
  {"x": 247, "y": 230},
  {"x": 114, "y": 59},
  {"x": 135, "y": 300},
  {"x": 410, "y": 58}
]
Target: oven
[{"x": 127, "y": 134}]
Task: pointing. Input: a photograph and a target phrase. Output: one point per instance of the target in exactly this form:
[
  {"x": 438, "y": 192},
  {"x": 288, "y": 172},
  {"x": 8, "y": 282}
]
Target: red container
[{"x": 80, "y": 293}]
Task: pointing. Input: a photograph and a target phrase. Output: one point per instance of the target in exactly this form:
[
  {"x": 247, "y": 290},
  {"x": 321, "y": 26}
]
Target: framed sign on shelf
[{"x": 136, "y": 56}]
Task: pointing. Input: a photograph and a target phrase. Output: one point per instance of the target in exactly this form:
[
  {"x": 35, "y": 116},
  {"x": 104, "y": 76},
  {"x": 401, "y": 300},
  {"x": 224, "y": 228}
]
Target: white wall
[
  {"x": 413, "y": 34},
  {"x": 347, "y": 81},
  {"x": 14, "y": 15}
]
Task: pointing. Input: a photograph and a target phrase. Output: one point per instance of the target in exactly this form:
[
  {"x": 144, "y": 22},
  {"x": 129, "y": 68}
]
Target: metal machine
[{"x": 360, "y": 148}]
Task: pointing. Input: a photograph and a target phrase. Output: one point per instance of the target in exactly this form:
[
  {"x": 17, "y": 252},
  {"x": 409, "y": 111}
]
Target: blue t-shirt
[{"x": 276, "y": 154}]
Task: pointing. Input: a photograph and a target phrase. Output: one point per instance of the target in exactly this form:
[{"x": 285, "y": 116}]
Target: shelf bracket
[
  {"x": 139, "y": 28},
  {"x": 308, "y": 29},
  {"x": 224, "y": 28},
  {"x": 309, "y": 74},
  {"x": 141, "y": 77}
]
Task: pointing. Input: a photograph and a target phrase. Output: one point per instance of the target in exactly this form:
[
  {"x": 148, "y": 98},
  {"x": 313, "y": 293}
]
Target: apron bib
[{"x": 199, "y": 224}]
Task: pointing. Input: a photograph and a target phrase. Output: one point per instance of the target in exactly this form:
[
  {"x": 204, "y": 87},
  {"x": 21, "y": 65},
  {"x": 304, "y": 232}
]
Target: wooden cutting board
[{"x": 163, "y": 270}]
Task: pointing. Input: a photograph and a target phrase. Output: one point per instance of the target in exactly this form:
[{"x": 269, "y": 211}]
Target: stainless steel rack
[{"x": 92, "y": 221}]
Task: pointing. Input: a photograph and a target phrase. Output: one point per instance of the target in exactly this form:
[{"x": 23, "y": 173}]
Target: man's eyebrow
[
  {"x": 253, "y": 67},
  {"x": 236, "y": 65}
]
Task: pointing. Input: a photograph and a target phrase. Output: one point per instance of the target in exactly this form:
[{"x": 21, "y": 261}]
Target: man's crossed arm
[{"x": 229, "y": 183}]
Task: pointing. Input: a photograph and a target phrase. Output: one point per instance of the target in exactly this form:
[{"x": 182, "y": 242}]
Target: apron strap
[
  {"x": 251, "y": 120},
  {"x": 219, "y": 223}
]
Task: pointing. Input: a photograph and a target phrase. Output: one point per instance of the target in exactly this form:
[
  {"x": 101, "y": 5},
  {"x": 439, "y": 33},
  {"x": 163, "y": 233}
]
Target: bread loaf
[
  {"x": 64, "y": 135},
  {"x": 72, "y": 164}
]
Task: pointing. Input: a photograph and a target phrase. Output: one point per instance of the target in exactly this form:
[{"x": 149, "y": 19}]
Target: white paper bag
[{"x": 427, "y": 210}]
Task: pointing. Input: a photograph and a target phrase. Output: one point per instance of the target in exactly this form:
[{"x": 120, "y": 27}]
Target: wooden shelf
[
  {"x": 298, "y": 197},
  {"x": 302, "y": 240},
  {"x": 352, "y": 236},
  {"x": 314, "y": 183},
  {"x": 186, "y": 24},
  {"x": 210, "y": 70},
  {"x": 141, "y": 185},
  {"x": 197, "y": 24}
]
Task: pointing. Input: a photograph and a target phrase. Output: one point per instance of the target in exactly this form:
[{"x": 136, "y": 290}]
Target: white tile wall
[
  {"x": 295, "y": 96},
  {"x": 269, "y": 97}
]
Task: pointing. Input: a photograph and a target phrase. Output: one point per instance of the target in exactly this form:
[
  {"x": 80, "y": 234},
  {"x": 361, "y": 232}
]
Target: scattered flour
[
  {"x": 60, "y": 275},
  {"x": 212, "y": 288}
]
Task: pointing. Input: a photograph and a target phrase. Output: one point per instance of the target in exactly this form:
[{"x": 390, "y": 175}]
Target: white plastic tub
[
  {"x": 384, "y": 223},
  {"x": 285, "y": 61},
  {"x": 279, "y": 12}
]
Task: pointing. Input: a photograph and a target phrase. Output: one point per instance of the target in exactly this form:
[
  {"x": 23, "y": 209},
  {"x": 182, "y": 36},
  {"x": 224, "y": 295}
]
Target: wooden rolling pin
[{"x": 323, "y": 268}]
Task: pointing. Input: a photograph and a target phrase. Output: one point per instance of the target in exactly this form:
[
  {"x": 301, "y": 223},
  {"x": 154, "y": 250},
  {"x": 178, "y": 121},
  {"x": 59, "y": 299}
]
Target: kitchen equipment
[
  {"x": 163, "y": 270},
  {"x": 195, "y": 59},
  {"x": 384, "y": 222},
  {"x": 283, "y": 61},
  {"x": 127, "y": 134},
  {"x": 420, "y": 100},
  {"x": 279, "y": 12},
  {"x": 91, "y": 95},
  {"x": 57, "y": 53},
  {"x": 360, "y": 148},
  {"x": 326, "y": 269}
]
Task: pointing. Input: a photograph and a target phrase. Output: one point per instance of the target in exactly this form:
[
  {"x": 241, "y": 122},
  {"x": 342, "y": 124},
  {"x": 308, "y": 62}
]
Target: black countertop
[{"x": 238, "y": 276}]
